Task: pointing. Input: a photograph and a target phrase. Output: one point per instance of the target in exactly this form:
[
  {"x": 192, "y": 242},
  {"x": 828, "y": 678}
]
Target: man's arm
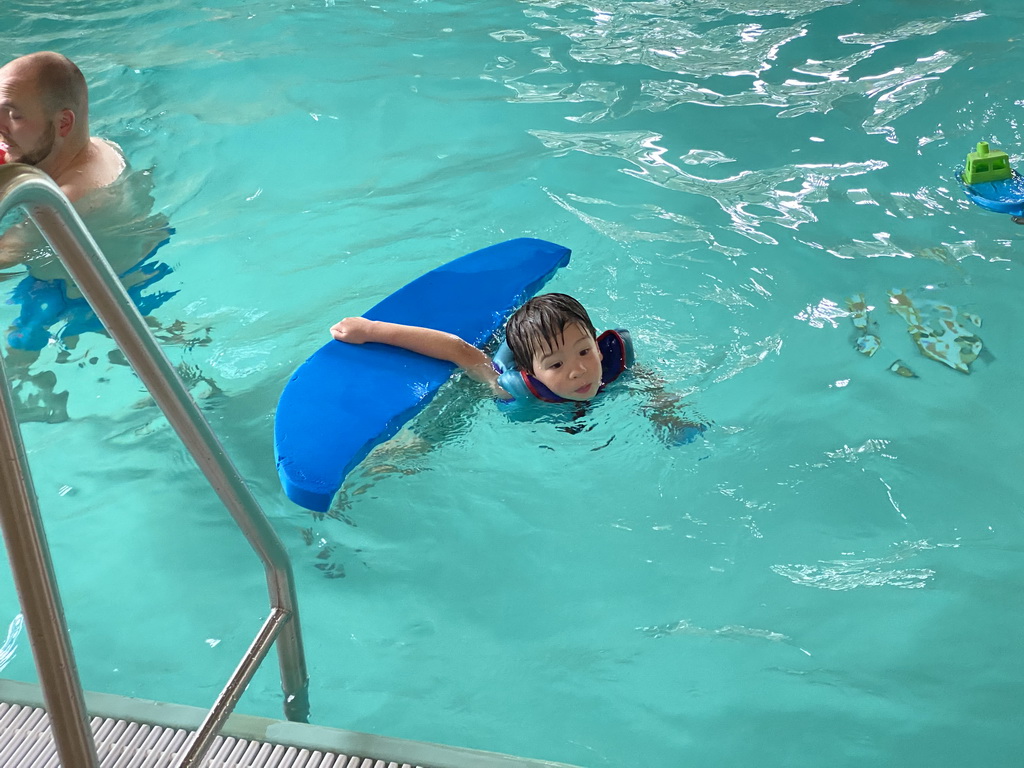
[
  {"x": 424, "y": 341},
  {"x": 87, "y": 193},
  {"x": 14, "y": 244},
  {"x": 17, "y": 243}
]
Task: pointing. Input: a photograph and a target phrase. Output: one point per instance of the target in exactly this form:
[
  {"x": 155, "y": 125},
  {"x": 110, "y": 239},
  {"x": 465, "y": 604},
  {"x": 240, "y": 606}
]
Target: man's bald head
[
  {"x": 44, "y": 121},
  {"x": 57, "y": 80}
]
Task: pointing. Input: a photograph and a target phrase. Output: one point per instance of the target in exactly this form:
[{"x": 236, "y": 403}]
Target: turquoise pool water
[{"x": 832, "y": 576}]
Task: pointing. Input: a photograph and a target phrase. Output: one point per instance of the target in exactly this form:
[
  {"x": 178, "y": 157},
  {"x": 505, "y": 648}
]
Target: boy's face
[{"x": 571, "y": 366}]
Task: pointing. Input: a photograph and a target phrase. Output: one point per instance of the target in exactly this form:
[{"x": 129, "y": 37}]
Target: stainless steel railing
[{"x": 46, "y": 205}]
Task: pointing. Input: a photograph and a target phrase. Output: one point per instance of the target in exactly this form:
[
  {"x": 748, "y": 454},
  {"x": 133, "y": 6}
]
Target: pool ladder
[{"x": 21, "y": 523}]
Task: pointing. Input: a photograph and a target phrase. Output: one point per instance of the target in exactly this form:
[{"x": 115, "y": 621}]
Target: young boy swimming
[
  {"x": 551, "y": 339},
  {"x": 552, "y": 352}
]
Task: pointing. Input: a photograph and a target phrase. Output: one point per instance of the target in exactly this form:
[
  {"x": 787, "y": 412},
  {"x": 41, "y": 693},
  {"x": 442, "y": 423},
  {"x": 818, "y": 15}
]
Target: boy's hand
[
  {"x": 687, "y": 433},
  {"x": 353, "y": 330},
  {"x": 676, "y": 430}
]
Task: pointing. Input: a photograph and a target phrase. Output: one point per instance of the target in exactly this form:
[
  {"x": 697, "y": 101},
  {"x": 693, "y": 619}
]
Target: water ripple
[
  {"x": 787, "y": 190},
  {"x": 677, "y": 46},
  {"x": 685, "y": 627},
  {"x": 742, "y": 356},
  {"x": 10, "y": 646},
  {"x": 916, "y": 28},
  {"x": 841, "y": 575},
  {"x": 896, "y": 92},
  {"x": 678, "y": 228},
  {"x": 692, "y": 42}
]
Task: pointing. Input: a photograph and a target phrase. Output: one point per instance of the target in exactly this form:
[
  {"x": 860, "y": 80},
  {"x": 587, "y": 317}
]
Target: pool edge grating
[{"x": 132, "y": 733}]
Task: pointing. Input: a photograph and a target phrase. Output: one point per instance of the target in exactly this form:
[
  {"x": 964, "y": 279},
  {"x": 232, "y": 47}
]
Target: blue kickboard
[{"x": 347, "y": 398}]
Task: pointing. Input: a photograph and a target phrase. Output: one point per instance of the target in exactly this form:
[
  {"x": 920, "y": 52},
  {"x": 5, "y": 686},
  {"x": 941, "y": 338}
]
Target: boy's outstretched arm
[
  {"x": 424, "y": 341},
  {"x": 663, "y": 409}
]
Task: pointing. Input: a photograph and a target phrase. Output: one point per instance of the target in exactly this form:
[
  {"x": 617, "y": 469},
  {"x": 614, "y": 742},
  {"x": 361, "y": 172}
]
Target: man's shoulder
[
  {"x": 108, "y": 148},
  {"x": 101, "y": 165}
]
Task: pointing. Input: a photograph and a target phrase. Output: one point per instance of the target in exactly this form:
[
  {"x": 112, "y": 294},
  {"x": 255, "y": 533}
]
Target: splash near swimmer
[{"x": 990, "y": 183}]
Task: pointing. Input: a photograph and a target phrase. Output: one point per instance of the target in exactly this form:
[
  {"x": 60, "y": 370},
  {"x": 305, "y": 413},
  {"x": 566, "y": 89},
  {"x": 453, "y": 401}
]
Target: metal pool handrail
[{"x": 50, "y": 210}]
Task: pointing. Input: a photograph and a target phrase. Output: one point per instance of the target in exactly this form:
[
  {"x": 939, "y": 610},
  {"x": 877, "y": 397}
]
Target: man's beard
[{"x": 35, "y": 158}]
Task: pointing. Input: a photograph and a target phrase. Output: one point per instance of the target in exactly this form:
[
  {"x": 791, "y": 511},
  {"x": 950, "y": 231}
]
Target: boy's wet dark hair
[{"x": 540, "y": 320}]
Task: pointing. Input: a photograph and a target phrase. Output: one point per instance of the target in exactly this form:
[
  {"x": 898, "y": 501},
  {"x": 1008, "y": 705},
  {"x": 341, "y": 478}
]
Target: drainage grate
[{"x": 25, "y": 742}]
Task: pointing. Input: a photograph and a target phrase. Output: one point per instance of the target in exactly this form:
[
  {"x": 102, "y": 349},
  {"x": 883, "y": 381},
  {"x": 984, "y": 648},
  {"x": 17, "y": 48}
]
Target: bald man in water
[{"x": 44, "y": 121}]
